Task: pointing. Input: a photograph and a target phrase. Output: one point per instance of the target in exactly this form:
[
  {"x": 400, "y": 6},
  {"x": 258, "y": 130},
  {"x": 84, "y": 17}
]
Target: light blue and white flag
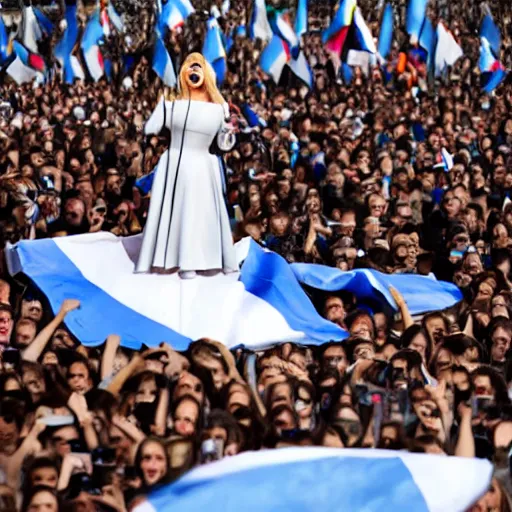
[
  {"x": 416, "y": 12},
  {"x": 69, "y": 63},
  {"x": 162, "y": 63},
  {"x": 316, "y": 479},
  {"x": 171, "y": 16},
  {"x": 370, "y": 287},
  {"x": 262, "y": 305},
  {"x": 32, "y": 32},
  {"x": 448, "y": 51},
  {"x": 214, "y": 51},
  {"x": 386, "y": 32},
  {"x": 259, "y": 26},
  {"x": 301, "y": 18},
  {"x": 274, "y": 57},
  {"x": 44, "y": 22}
]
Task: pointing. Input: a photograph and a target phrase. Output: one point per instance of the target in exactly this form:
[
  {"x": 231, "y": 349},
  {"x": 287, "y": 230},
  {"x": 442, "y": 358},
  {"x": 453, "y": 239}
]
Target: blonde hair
[{"x": 209, "y": 79}]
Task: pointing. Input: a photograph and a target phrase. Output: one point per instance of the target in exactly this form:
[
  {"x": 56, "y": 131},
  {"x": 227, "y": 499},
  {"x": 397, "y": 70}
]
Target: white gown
[{"x": 188, "y": 226}]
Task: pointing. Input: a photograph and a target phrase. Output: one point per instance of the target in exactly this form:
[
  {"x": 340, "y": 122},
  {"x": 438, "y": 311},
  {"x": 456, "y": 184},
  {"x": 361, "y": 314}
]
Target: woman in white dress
[{"x": 188, "y": 228}]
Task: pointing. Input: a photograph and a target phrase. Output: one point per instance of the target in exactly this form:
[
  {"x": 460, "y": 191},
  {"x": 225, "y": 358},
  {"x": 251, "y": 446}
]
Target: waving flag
[
  {"x": 171, "y": 17},
  {"x": 31, "y": 30},
  {"x": 162, "y": 63},
  {"x": 428, "y": 41},
  {"x": 64, "y": 48},
  {"x": 386, "y": 32},
  {"x": 90, "y": 46},
  {"x": 300, "y": 68},
  {"x": 45, "y": 24},
  {"x": 252, "y": 118},
  {"x": 281, "y": 26},
  {"x": 4, "y": 43},
  {"x": 316, "y": 479},
  {"x": 491, "y": 32},
  {"x": 363, "y": 35},
  {"x": 114, "y": 17},
  {"x": 28, "y": 58},
  {"x": 416, "y": 12},
  {"x": 274, "y": 57},
  {"x": 334, "y": 36},
  {"x": 301, "y": 18},
  {"x": 491, "y": 68},
  {"x": 213, "y": 50},
  {"x": 421, "y": 293},
  {"x": 262, "y": 305},
  {"x": 448, "y": 50},
  {"x": 259, "y": 27}
]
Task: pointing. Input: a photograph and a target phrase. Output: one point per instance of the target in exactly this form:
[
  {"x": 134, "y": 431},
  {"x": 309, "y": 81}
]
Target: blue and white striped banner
[
  {"x": 262, "y": 305},
  {"x": 326, "y": 479}
]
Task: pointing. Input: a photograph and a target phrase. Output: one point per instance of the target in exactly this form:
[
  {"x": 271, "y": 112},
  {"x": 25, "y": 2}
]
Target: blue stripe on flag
[
  {"x": 100, "y": 314},
  {"x": 415, "y": 17},
  {"x": 421, "y": 293},
  {"x": 45, "y": 24},
  {"x": 362, "y": 483},
  {"x": 386, "y": 32},
  {"x": 491, "y": 32},
  {"x": 301, "y": 18},
  {"x": 268, "y": 276}
]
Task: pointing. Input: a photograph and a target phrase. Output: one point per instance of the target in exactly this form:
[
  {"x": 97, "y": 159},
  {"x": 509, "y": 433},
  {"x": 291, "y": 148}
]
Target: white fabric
[
  {"x": 217, "y": 306},
  {"x": 448, "y": 50},
  {"x": 188, "y": 227},
  {"x": 20, "y": 73}
]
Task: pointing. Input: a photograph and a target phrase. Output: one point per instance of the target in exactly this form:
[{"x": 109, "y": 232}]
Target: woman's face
[
  {"x": 185, "y": 418},
  {"x": 43, "y": 501},
  {"x": 153, "y": 463},
  {"x": 419, "y": 343},
  {"x": 194, "y": 76},
  {"x": 146, "y": 392},
  {"x": 444, "y": 361},
  {"x": 436, "y": 328}
]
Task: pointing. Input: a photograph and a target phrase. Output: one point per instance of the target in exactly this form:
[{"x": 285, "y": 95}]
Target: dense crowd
[{"x": 349, "y": 175}]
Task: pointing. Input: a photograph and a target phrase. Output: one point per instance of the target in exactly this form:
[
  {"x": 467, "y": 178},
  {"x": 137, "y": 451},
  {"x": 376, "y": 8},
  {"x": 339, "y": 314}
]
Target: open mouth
[{"x": 194, "y": 78}]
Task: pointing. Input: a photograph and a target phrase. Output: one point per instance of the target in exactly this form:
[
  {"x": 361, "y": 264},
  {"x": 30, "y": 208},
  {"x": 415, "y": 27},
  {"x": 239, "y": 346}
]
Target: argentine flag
[
  {"x": 213, "y": 50},
  {"x": 262, "y": 305},
  {"x": 315, "y": 479},
  {"x": 259, "y": 26},
  {"x": 162, "y": 63},
  {"x": 274, "y": 57}
]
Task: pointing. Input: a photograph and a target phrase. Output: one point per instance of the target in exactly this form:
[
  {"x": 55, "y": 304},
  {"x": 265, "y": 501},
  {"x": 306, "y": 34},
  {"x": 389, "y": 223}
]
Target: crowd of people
[{"x": 349, "y": 175}]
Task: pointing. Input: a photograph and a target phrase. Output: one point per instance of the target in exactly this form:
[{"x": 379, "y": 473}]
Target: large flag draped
[
  {"x": 421, "y": 294},
  {"x": 315, "y": 479},
  {"x": 213, "y": 50},
  {"x": 262, "y": 305}
]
